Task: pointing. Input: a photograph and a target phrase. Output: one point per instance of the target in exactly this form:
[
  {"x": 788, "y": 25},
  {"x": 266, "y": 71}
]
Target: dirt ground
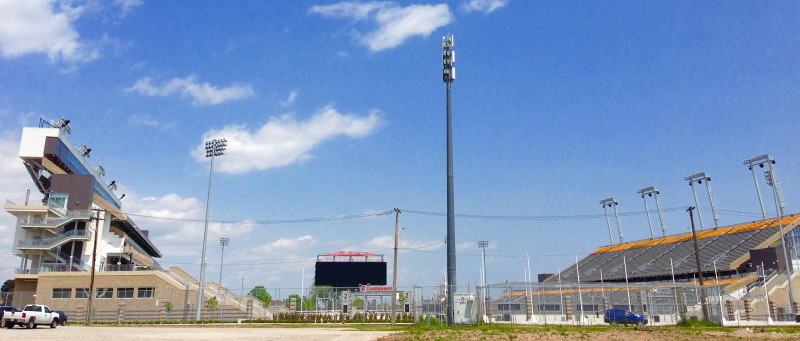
[
  {"x": 610, "y": 334},
  {"x": 187, "y": 333}
]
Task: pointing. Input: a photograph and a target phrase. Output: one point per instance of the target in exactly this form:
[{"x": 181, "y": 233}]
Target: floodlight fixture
[
  {"x": 483, "y": 244},
  {"x": 63, "y": 124},
  {"x": 758, "y": 160},
  {"x": 100, "y": 170},
  {"x": 85, "y": 151},
  {"x": 216, "y": 147},
  {"x": 113, "y": 185},
  {"x": 650, "y": 192},
  {"x": 224, "y": 241},
  {"x": 123, "y": 195}
]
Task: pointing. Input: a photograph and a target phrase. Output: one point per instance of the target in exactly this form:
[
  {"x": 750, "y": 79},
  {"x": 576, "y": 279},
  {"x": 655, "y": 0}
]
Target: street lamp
[
  {"x": 698, "y": 179},
  {"x": 214, "y": 148},
  {"x": 611, "y": 202},
  {"x": 448, "y": 76},
  {"x": 653, "y": 191}
]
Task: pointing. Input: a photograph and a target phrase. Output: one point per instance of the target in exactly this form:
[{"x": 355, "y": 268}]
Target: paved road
[{"x": 187, "y": 333}]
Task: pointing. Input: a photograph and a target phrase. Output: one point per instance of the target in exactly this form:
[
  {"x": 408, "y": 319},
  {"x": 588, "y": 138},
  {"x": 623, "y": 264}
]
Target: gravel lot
[{"x": 187, "y": 333}]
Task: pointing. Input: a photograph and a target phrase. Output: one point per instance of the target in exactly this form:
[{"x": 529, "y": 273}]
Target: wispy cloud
[
  {"x": 290, "y": 100},
  {"x": 395, "y": 24},
  {"x": 127, "y": 5},
  {"x": 283, "y": 140},
  {"x": 201, "y": 93},
  {"x": 486, "y": 6},
  {"x": 143, "y": 121},
  {"x": 39, "y": 26}
]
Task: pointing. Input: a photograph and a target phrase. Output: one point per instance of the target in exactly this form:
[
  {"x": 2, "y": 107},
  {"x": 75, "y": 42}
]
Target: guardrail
[{"x": 50, "y": 243}]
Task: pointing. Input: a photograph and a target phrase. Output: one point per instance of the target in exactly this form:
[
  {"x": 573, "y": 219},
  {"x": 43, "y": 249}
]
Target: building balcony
[
  {"x": 47, "y": 268},
  {"x": 49, "y": 243},
  {"x": 54, "y": 222},
  {"x": 21, "y": 210}
]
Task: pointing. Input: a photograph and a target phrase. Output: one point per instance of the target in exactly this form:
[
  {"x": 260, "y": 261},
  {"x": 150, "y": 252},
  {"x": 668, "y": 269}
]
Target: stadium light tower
[
  {"x": 224, "y": 241},
  {"x": 650, "y": 192},
  {"x": 699, "y": 178},
  {"x": 772, "y": 181},
  {"x": 751, "y": 162},
  {"x": 611, "y": 202},
  {"x": 483, "y": 244},
  {"x": 448, "y": 76},
  {"x": 214, "y": 148}
]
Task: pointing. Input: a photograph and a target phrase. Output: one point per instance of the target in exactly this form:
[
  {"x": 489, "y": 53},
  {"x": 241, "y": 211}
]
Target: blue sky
[{"x": 338, "y": 108}]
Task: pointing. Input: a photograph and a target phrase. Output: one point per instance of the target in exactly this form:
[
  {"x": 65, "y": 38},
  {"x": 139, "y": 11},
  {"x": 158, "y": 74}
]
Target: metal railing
[
  {"x": 126, "y": 267},
  {"x": 50, "y": 243},
  {"x": 56, "y": 221}
]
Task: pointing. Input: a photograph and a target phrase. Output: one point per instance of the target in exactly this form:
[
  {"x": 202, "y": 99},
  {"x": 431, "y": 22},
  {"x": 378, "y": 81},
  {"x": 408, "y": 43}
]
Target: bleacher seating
[{"x": 650, "y": 259}]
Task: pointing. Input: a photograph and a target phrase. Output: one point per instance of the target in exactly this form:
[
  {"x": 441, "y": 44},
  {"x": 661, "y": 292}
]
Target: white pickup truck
[{"x": 30, "y": 317}]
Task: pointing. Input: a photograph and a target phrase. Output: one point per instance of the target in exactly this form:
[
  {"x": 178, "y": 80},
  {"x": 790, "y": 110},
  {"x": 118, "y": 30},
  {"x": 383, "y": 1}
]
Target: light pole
[
  {"x": 394, "y": 271},
  {"x": 483, "y": 244},
  {"x": 448, "y": 76},
  {"x": 772, "y": 181},
  {"x": 214, "y": 148},
  {"x": 698, "y": 178},
  {"x": 223, "y": 241},
  {"x": 611, "y": 202},
  {"x": 759, "y": 160},
  {"x": 653, "y": 191}
]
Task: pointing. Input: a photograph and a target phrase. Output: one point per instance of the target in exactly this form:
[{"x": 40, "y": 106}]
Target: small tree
[
  {"x": 212, "y": 303},
  {"x": 168, "y": 306},
  {"x": 8, "y": 286}
]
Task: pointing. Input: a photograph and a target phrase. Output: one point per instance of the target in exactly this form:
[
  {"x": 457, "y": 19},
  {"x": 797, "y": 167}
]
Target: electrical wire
[{"x": 267, "y": 222}]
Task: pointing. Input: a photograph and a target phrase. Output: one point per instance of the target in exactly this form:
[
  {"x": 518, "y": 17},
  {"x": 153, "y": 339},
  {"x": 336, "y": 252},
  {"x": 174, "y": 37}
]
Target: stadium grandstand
[{"x": 648, "y": 260}]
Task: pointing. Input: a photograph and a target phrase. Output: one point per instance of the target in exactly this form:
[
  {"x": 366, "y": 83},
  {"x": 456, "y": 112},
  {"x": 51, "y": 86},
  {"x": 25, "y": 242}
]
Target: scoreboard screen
[{"x": 349, "y": 274}]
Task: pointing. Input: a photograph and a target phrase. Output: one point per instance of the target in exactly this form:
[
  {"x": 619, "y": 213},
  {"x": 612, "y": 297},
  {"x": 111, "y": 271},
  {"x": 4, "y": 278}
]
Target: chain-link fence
[{"x": 505, "y": 303}]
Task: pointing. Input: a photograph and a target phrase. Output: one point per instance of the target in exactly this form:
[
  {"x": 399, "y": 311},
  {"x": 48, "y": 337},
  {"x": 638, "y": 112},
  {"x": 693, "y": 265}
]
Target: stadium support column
[
  {"x": 711, "y": 202},
  {"x": 649, "y": 222},
  {"x": 699, "y": 267},
  {"x": 660, "y": 215},
  {"x": 619, "y": 223},
  {"x": 448, "y": 75}
]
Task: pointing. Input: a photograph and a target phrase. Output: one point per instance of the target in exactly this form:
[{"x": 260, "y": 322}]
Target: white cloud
[
  {"x": 143, "y": 121},
  {"x": 202, "y": 94},
  {"x": 177, "y": 238},
  {"x": 126, "y": 6},
  {"x": 37, "y": 26},
  {"x": 395, "y": 23},
  {"x": 486, "y": 6},
  {"x": 283, "y": 140},
  {"x": 14, "y": 181},
  {"x": 290, "y": 100}
]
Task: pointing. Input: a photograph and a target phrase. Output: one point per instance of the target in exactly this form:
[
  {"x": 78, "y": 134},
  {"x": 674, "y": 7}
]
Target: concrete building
[{"x": 55, "y": 238}]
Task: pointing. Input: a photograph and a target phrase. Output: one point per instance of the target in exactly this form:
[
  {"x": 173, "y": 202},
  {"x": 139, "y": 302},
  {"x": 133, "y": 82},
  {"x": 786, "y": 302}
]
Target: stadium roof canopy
[{"x": 649, "y": 260}]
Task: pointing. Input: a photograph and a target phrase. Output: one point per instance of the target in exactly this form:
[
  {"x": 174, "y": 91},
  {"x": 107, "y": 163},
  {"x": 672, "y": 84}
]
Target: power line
[
  {"x": 267, "y": 222},
  {"x": 561, "y": 217}
]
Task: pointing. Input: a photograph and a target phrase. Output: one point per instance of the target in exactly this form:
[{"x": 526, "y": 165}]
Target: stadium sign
[{"x": 376, "y": 288}]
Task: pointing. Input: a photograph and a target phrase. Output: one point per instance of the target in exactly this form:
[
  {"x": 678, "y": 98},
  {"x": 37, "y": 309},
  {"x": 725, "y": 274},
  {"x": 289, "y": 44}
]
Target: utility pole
[
  {"x": 214, "y": 148},
  {"x": 394, "y": 275},
  {"x": 699, "y": 268},
  {"x": 483, "y": 244},
  {"x": 448, "y": 76},
  {"x": 94, "y": 258}
]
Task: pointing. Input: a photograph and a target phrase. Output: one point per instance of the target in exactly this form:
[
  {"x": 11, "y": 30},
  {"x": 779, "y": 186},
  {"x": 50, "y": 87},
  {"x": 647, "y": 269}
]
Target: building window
[
  {"x": 62, "y": 293},
  {"x": 125, "y": 293},
  {"x": 58, "y": 200},
  {"x": 105, "y": 293},
  {"x": 146, "y": 292},
  {"x": 82, "y": 293}
]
